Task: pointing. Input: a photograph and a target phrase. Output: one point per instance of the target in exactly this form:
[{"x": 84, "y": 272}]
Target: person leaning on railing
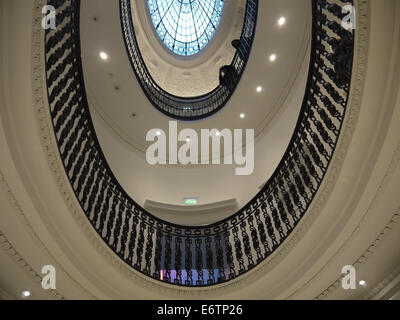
[
  {"x": 228, "y": 73},
  {"x": 227, "y": 77}
]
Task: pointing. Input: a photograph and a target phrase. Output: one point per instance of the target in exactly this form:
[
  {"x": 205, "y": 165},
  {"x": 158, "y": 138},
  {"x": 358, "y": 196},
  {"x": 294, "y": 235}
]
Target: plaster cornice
[
  {"x": 6, "y": 245},
  {"x": 364, "y": 257},
  {"x": 4, "y": 295},
  {"x": 394, "y": 163},
  {"x": 379, "y": 291}
]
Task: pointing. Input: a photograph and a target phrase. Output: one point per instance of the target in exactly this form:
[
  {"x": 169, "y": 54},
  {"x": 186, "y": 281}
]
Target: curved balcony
[
  {"x": 190, "y": 108},
  {"x": 200, "y": 256}
]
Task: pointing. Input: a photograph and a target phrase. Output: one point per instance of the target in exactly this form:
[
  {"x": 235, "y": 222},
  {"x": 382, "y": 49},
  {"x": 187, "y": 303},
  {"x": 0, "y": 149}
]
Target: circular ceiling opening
[{"x": 185, "y": 26}]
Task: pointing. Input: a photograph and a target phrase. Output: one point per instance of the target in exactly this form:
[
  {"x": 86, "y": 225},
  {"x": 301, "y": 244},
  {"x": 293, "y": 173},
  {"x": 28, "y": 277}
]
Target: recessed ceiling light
[
  {"x": 272, "y": 57},
  {"x": 242, "y": 116},
  {"x": 26, "y": 294},
  {"x": 363, "y": 283},
  {"x": 282, "y": 21},
  {"x": 259, "y": 89},
  {"x": 103, "y": 55}
]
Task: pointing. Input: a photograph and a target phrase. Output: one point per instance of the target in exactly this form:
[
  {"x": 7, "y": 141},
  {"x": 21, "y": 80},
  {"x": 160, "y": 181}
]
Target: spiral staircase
[{"x": 77, "y": 193}]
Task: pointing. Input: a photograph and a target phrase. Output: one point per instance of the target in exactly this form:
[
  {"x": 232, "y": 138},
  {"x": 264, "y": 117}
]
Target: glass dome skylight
[{"x": 185, "y": 26}]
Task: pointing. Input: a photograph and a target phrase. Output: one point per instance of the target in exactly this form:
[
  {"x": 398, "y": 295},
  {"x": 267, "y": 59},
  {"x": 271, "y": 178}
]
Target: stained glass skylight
[{"x": 186, "y": 26}]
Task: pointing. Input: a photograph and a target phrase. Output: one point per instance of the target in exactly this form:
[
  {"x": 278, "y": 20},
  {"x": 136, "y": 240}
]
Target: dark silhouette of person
[
  {"x": 227, "y": 75},
  {"x": 236, "y": 43}
]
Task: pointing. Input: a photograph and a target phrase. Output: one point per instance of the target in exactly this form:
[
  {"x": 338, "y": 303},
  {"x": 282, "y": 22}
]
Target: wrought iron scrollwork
[{"x": 200, "y": 256}]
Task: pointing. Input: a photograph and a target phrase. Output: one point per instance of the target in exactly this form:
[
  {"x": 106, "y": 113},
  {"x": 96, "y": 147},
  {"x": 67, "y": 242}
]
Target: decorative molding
[
  {"x": 388, "y": 227},
  {"x": 50, "y": 148},
  {"x": 4, "y": 295},
  {"x": 24, "y": 221},
  {"x": 37, "y": 39},
  {"x": 6, "y": 245},
  {"x": 364, "y": 257},
  {"x": 377, "y": 291}
]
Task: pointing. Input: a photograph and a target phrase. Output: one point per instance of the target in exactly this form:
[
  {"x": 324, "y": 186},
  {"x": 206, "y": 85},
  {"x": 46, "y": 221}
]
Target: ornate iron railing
[
  {"x": 200, "y": 256},
  {"x": 188, "y": 108}
]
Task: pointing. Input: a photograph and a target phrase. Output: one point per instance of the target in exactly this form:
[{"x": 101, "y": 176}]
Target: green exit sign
[{"x": 190, "y": 201}]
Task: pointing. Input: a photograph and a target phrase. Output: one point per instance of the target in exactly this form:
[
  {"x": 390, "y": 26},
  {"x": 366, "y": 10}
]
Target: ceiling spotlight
[
  {"x": 25, "y": 294},
  {"x": 282, "y": 21},
  {"x": 217, "y": 133},
  {"x": 187, "y": 139},
  {"x": 103, "y": 55},
  {"x": 259, "y": 89},
  {"x": 363, "y": 283},
  {"x": 242, "y": 116},
  {"x": 158, "y": 133},
  {"x": 272, "y": 57}
]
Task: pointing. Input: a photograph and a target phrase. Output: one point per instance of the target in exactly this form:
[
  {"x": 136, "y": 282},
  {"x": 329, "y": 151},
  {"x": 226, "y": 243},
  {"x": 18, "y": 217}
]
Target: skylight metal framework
[{"x": 186, "y": 26}]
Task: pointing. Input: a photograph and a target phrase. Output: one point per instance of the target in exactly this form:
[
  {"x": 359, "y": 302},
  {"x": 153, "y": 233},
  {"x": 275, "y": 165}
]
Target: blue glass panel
[{"x": 185, "y": 26}]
